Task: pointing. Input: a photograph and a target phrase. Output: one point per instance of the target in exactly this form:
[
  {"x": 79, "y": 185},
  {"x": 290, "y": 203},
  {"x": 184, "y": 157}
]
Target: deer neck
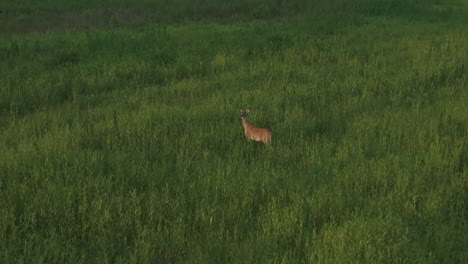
[{"x": 245, "y": 123}]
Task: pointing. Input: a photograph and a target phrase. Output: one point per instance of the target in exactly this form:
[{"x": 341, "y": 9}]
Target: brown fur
[{"x": 254, "y": 133}]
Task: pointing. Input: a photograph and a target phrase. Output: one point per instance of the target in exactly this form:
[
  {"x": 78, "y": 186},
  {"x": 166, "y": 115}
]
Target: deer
[{"x": 254, "y": 133}]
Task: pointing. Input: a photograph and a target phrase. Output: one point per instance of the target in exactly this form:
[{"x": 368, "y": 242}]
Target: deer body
[{"x": 254, "y": 133}]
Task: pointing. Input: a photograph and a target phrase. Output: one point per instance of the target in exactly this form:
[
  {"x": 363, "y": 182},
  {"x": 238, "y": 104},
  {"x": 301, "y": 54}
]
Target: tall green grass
[{"x": 125, "y": 145}]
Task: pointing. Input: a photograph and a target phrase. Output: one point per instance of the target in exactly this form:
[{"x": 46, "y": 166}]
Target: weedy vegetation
[{"x": 120, "y": 137}]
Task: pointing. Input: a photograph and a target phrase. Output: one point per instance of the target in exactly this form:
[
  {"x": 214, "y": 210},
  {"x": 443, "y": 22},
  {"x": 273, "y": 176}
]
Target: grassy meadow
[{"x": 121, "y": 139}]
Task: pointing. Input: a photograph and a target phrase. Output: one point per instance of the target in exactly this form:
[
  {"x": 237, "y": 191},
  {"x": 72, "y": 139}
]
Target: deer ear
[{"x": 247, "y": 110}]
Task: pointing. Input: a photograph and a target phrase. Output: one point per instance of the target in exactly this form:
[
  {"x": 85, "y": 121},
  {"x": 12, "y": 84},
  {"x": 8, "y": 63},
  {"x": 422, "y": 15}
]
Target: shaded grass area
[
  {"x": 43, "y": 16},
  {"x": 125, "y": 145}
]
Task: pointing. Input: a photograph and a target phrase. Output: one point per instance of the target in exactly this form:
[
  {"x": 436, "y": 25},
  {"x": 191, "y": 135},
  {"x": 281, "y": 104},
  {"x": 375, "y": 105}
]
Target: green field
[{"x": 121, "y": 139}]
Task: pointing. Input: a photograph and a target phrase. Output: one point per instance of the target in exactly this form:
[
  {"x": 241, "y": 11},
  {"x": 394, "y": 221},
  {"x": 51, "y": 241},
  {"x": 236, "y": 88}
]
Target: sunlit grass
[{"x": 126, "y": 144}]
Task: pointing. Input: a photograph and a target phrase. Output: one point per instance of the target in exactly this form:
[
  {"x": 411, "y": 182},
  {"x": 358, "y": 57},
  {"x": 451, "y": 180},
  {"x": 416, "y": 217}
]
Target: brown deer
[{"x": 254, "y": 133}]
